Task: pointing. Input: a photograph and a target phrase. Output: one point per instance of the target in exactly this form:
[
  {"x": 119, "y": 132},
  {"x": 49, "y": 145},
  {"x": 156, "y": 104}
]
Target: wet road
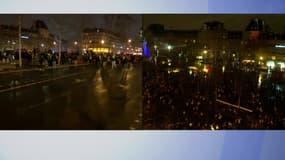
[{"x": 85, "y": 97}]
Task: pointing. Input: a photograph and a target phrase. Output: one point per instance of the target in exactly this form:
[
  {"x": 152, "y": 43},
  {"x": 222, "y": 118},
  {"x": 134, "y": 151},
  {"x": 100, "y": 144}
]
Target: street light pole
[
  {"x": 20, "y": 42},
  {"x": 59, "y": 50}
]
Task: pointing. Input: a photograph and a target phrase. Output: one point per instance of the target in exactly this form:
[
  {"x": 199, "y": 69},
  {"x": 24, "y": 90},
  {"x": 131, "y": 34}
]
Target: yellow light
[
  {"x": 100, "y": 50},
  {"x": 212, "y": 128},
  {"x": 199, "y": 57},
  {"x": 273, "y": 57},
  {"x": 176, "y": 70},
  {"x": 259, "y": 80},
  {"x": 205, "y": 70},
  {"x": 205, "y": 52},
  {"x": 217, "y": 127},
  {"x": 261, "y": 58},
  {"x": 193, "y": 67}
]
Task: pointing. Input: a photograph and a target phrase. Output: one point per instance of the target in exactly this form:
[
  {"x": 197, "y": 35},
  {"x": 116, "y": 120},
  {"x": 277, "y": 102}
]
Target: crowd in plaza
[
  {"x": 45, "y": 59},
  {"x": 183, "y": 101}
]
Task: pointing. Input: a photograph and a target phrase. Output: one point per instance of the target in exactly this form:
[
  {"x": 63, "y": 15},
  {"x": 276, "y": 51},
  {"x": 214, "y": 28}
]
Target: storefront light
[{"x": 270, "y": 64}]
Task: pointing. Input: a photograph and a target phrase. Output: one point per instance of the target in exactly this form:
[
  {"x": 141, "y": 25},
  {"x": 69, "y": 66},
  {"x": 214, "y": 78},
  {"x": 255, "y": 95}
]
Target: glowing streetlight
[
  {"x": 205, "y": 51},
  {"x": 75, "y": 43},
  {"x": 155, "y": 47},
  {"x": 54, "y": 43},
  {"x": 42, "y": 45},
  {"x": 102, "y": 41},
  {"x": 129, "y": 40},
  {"x": 261, "y": 58},
  {"x": 169, "y": 47}
]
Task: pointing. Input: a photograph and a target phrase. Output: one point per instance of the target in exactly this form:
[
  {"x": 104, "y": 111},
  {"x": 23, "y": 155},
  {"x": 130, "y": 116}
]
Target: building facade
[
  {"x": 37, "y": 38},
  {"x": 208, "y": 43},
  {"x": 101, "y": 41},
  {"x": 213, "y": 43}
]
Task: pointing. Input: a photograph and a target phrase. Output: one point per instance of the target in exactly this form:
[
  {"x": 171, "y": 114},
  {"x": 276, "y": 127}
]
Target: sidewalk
[
  {"x": 7, "y": 66},
  {"x": 13, "y": 68}
]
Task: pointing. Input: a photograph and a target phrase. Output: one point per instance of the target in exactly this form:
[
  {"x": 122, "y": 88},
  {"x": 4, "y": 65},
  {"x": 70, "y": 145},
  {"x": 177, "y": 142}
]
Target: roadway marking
[
  {"x": 233, "y": 105},
  {"x": 40, "y": 82}
]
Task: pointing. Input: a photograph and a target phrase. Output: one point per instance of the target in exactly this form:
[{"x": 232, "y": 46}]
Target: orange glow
[{"x": 100, "y": 50}]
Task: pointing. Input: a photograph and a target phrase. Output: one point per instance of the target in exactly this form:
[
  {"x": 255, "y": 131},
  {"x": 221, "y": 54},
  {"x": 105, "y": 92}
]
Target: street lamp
[
  {"x": 76, "y": 46},
  {"x": 102, "y": 41},
  {"x": 156, "y": 50},
  {"x": 169, "y": 47},
  {"x": 20, "y": 41},
  {"x": 155, "y": 47}
]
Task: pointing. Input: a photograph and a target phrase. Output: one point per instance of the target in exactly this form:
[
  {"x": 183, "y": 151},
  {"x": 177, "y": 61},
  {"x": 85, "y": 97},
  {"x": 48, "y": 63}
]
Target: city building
[
  {"x": 212, "y": 40},
  {"x": 266, "y": 46},
  {"x": 213, "y": 43},
  {"x": 102, "y": 41},
  {"x": 37, "y": 38}
]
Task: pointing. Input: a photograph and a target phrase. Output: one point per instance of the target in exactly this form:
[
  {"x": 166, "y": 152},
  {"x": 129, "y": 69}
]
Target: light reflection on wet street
[{"x": 91, "y": 98}]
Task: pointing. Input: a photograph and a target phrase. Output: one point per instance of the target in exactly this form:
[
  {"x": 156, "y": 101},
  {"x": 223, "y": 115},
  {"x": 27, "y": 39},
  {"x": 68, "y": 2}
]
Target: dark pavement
[{"x": 83, "y": 97}]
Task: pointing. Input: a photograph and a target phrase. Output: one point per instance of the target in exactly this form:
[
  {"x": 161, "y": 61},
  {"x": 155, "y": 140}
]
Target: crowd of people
[
  {"x": 183, "y": 101},
  {"x": 49, "y": 58}
]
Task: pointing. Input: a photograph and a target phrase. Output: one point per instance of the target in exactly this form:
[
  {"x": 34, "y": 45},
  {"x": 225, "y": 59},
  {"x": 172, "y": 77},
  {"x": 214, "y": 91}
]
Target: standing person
[
  {"x": 114, "y": 62},
  {"x": 90, "y": 58},
  {"x": 53, "y": 59},
  {"x": 104, "y": 59},
  {"x": 125, "y": 70},
  {"x": 99, "y": 60}
]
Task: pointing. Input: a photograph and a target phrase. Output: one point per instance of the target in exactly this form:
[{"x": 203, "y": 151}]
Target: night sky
[
  {"x": 72, "y": 25},
  {"x": 231, "y": 21}
]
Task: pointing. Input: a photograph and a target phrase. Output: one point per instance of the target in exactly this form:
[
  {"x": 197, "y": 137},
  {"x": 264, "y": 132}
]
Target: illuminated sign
[
  {"x": 100, "y": 50},
  {"x": 25, "y": 37}
]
